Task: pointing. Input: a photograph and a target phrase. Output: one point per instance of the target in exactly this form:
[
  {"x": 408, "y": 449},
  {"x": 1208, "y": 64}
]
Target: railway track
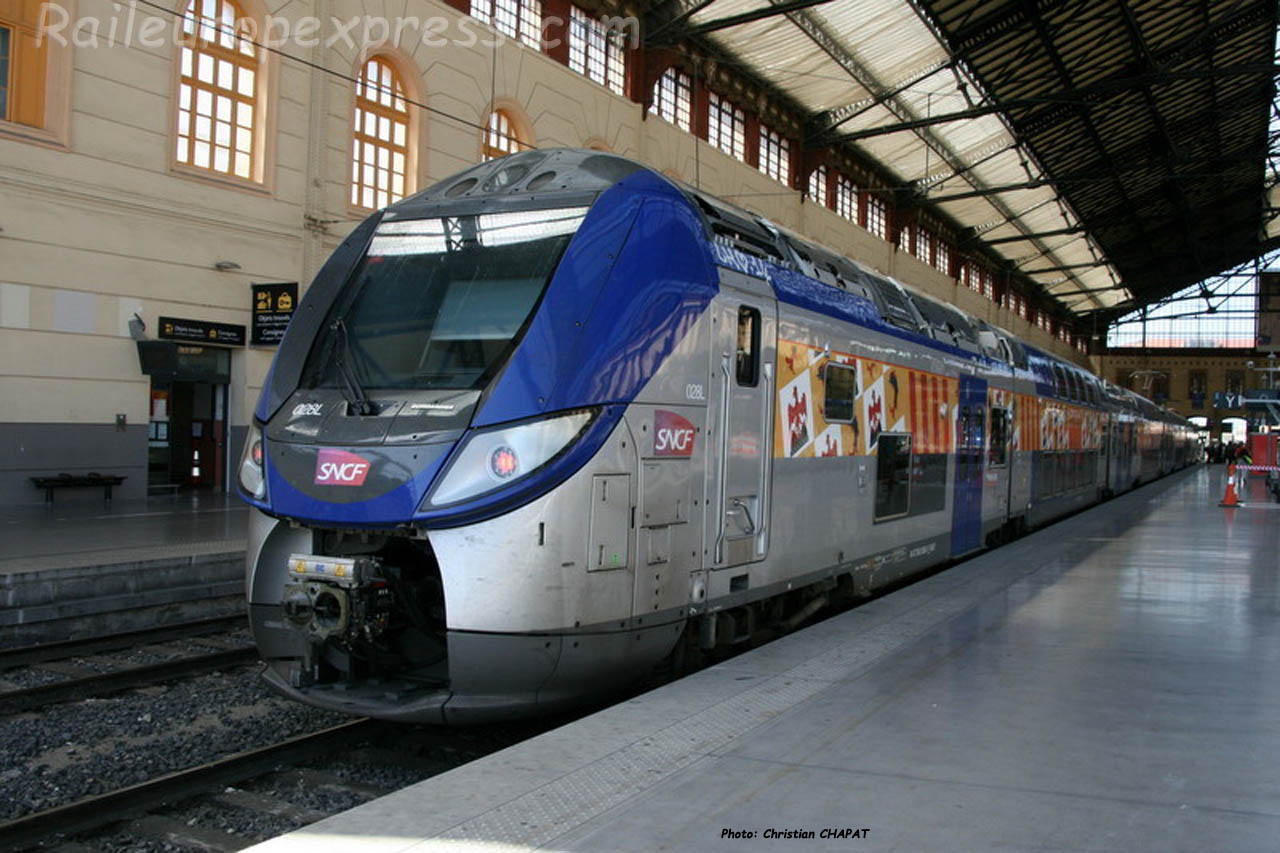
[
  {"x": 96, "y": 812},
  {"x": 106, "y": 683},
  {"x": 76, "y": 686},
  {"x": 146, "y": 811},
  {"x": 28, "y": 655}
]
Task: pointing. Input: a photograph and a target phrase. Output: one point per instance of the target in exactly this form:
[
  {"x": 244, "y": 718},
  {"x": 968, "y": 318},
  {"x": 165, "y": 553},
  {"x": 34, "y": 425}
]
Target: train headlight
[
  {"x": 493, "y": 459},
  {"x": 253, "y": 477}
]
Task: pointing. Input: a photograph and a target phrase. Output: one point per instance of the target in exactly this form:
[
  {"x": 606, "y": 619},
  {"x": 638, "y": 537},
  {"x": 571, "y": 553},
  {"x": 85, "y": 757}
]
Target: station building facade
[
  {"x": 158, "y": 158},
  {"x": 1197, "y": 383}
]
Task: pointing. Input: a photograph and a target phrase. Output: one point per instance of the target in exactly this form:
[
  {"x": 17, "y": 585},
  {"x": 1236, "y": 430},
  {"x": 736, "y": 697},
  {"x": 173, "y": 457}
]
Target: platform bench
[{"x": 64, "y": 481}]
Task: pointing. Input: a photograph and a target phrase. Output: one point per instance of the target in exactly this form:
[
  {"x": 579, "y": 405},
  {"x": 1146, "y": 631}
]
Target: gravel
[
  {"x": 24, "y": 677},
  {"x": 384, "y": 776},
  {"x": 67, "y": 752},
  {"x": 70, "y": 751},
  {"x": 250, "y": 825},
  {"x": 320, "y": 797}
]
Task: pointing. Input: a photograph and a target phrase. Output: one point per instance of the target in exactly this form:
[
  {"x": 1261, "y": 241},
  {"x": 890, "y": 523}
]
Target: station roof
[{"x": 1112, "y": 151}]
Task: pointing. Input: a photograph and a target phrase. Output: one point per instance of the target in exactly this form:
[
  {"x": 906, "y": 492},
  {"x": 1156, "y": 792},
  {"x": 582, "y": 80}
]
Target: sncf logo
[
  {"x": 672, "y": 434},
  {"x": 340, "y": 468}
]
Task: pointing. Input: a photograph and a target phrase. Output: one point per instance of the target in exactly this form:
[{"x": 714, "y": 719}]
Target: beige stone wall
[
  {"x": 106, "y": 227},
  {"x": 1178, "y": 366}
]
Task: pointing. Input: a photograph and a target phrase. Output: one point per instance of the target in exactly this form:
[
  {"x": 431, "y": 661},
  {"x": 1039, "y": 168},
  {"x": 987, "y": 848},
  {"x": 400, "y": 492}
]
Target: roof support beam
[
  {"x": 1058, "y": 232},
  {"x": 679, "y": 29},
  {"x": 745, "y": 17},
  {"x": 1066, "y": 268},
  {"x": 670, "y": 15},
  {"x": 820, "y": 34},
  {"x": 1089, "y": 94},
  {"x": 827, "y": 121}
]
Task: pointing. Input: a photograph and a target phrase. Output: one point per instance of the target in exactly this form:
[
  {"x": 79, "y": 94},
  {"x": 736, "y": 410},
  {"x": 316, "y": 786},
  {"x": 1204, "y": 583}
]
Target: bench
[{"x": 64, "y": 481}]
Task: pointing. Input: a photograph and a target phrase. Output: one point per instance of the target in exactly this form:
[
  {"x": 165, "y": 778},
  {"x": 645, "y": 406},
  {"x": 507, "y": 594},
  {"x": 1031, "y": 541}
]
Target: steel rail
[
  {"x": 94, "y": 812},
  {"x": 27, "y": 655},
  {"x": 101, "y": 684}
]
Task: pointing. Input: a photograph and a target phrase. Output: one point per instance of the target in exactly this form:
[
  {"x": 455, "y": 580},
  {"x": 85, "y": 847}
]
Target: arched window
[
  {"x": 503, "y": 136},
  {"x": 380, "y": 137},
  {"x": 673, "y": 99},
  {"x": 218, "y": 94}
]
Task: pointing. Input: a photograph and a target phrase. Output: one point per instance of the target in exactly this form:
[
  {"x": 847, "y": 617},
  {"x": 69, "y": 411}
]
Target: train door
[
  {"x": 743, "y": 356},
  {"x": 966, "y": 513}
]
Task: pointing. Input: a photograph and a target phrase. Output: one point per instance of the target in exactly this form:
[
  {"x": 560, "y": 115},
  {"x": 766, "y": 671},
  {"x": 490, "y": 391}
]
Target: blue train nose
[{"x": 329, "y": 464}]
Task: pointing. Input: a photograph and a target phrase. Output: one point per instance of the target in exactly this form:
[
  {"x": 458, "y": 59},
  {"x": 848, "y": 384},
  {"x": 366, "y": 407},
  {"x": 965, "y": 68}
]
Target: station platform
[
  {"x": 1108, "y": 682},
  {"x": 85, "y": 568}
]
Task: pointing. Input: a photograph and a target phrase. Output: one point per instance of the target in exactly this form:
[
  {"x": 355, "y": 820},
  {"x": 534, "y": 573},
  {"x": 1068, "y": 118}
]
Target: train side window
[
  {"x": 748, "y": 357},
  {"x": 840, "y": 392},
  {"x": 998, "y": 448},
  {"x": 1059, "y": 382},
  {"x": 893, "y": 476}
]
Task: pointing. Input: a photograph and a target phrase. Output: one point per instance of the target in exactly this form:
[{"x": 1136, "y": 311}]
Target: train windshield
[{"x": 437, "y": 303}]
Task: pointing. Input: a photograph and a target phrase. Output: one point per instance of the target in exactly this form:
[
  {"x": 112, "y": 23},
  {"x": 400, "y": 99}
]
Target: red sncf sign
[
  {"x": 672, "y": 434},
  {"x": 340, "y": 468}
]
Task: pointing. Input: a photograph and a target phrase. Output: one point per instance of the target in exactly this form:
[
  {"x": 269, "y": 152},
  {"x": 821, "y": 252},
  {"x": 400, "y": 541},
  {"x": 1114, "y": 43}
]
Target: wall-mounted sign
[
  {"x": 200, "y": 331},
  {"x": 165, "y": 360},
  {"x": 273, "y": 306}
]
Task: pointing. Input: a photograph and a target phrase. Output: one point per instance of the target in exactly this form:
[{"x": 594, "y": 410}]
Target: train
[{"x": 541, "y": 429}]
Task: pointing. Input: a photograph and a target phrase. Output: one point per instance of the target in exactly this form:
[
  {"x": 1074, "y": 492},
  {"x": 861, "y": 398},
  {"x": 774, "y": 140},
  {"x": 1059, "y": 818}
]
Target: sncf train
[{"x": 559, "y": 419}]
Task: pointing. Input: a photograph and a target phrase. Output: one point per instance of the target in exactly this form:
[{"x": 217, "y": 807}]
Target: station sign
[
  {"x": 200, "y": 332},
  {"x": 1227, "y": 400},
  {"x": 273, "y": 306}
]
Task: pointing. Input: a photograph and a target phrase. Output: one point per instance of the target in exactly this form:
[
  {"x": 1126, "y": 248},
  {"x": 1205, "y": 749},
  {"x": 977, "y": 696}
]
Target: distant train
[{"x": 559, "y": 419}]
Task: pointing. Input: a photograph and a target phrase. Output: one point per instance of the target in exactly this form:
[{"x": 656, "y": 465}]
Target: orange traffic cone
[{"x": 1229, "y": 499}]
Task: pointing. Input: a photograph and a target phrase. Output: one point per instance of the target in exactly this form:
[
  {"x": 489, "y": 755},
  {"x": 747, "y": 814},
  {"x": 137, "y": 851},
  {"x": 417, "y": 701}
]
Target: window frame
[
  {"x": 677, "y": 87},
  {"x": 409, "y": 116},
  {"x": 591, "y": 42},
  {"x": 262, "y": 156},
  {"x": 828, "y": 368},
  {"x": 904, "y": 482},
  {"x": 818, "y": 178},
  {"x": 43, "y": 116},
  {"x": 527, "y": 28},
  {"x": 719, "y": 110},
  {"x": 846, "y": 198},
  {"x": 518, "y": 130},
  {"x": 998, "y": 452},
  {"x": 8, "y": 31},
  {"x": 876, "y": 220},
  {"x": 773, "y": 156},
  {"x": 749, "y": 378}
]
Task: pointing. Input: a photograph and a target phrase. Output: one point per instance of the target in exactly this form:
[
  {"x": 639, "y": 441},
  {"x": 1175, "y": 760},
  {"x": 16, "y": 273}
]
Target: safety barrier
[{"x": 1231, "y": 499}]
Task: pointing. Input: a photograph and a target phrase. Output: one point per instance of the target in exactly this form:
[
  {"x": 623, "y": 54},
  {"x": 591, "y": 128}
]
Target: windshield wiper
[{"x": 355, "y": 395}]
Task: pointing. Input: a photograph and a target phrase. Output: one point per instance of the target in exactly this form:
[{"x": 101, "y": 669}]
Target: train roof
[{"x": 571, "y": 176}]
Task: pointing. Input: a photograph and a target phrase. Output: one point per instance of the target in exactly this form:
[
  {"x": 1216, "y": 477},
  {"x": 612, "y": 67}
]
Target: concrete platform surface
[
  {"x": 85, "y": 569},
  {"x": 88, "y": 534},
  {"x": 1108, "y": 683}
]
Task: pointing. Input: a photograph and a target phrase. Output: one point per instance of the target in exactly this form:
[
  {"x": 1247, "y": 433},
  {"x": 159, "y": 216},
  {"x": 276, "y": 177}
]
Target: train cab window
[
  {"x": 841, "y": 388},
  {"x": 893, "y": 476},
  {"x": 748, "y": 354},
  {"x": 998, "y": 448}
]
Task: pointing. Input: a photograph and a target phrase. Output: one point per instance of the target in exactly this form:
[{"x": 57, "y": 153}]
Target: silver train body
[{"x": 809, "y": 430}]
